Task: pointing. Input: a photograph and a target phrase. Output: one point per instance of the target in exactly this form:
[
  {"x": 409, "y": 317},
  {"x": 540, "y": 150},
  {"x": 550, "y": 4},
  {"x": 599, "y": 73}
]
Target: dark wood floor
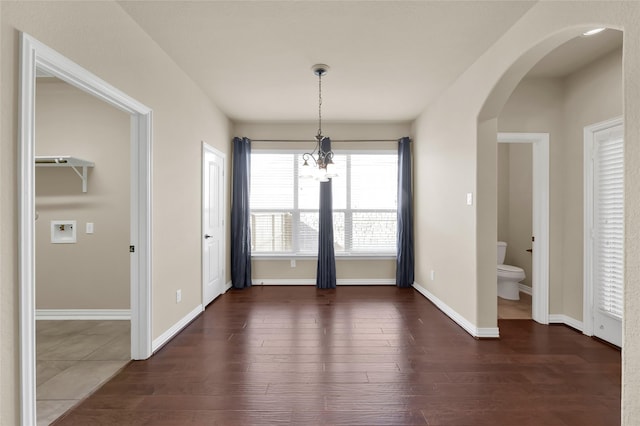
[{"x": 358, "y": 356}]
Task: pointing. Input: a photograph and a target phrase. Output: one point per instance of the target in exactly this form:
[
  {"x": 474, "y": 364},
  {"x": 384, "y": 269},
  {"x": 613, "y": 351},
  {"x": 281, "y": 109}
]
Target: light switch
[
  {"x": 469, "y": 198},
  {"x": 89, "y": 227}
]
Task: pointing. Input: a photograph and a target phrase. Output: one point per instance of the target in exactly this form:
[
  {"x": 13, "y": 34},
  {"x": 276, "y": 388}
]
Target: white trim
[
  {"x": 303, "y": 281},
  {"x": 35, "y": 55},
  {"x": 566, "y": 320},
  {"x": 26, "y": 247},
  {"x": 295, "y": 281},
  {"x": 228, "y": 286},
  {"x": 176, "y": 328},
  {"x": 83, "y": 314},
  {"x": 525, "y": 289},
  {"x": 367, "y": 281},
  {"x": 587, "y": 248},
  {"x": 487, "y": 333},
  {"x": 540, "y": 254},
  {"x": 483, "y": 333}
]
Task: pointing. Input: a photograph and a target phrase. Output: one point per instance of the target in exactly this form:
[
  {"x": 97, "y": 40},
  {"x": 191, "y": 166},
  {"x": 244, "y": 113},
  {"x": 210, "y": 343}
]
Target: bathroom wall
[
  {"x": 305, "y": 270},
  {"x": 536, "y": 105},
  {"x": 515, "y": 203},
  {"x": 503, "y": 192},
  {"x": 94, "y": 272}
]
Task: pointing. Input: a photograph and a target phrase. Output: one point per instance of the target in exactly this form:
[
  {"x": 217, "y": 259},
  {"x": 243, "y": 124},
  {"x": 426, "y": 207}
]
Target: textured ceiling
[{"x": 388, "y": 59}]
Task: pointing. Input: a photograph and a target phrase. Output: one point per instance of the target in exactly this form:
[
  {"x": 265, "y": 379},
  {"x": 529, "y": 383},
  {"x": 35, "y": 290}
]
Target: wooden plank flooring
[{"x": 358, "y": 356}]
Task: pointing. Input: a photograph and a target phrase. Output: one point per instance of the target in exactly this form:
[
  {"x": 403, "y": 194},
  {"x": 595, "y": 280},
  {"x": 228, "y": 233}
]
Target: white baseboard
[
  {"x": 83, "y": 314},
  {"x": 295, "y": 281},
  {"x": 175, "y": 329},
  {"x": 301, "y": 281},
  {"x": 525, "y": 289},
  {"x": 367, "y": 281},
  {"x": 484, "y": 333},
  {"x": 566, "y": 320},
  {"x": 228, "y": 286}
]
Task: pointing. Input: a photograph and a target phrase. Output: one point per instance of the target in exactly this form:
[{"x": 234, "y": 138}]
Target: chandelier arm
[{"x": 306, "y": 156}]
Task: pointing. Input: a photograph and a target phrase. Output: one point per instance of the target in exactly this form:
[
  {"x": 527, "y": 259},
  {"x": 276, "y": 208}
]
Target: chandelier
[{"x": 322, "y": 155}]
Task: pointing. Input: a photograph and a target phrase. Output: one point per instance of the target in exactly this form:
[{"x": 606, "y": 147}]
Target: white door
[
  {"x": 607, "y": 232},
  {"x": 213, "y": 256}
]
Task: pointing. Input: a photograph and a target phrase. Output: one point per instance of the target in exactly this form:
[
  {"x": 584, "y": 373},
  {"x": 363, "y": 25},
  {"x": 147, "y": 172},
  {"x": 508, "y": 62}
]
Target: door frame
[
  {"x": 223, "y": 253},
  {"x": 540, "y": 222},
  {"x": 36, "y": 55},
  {"x": 587, "y": 272}
]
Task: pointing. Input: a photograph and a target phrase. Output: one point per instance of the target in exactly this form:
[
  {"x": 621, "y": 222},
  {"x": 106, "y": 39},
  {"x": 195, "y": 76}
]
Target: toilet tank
[{"x": 502, "y": 251}]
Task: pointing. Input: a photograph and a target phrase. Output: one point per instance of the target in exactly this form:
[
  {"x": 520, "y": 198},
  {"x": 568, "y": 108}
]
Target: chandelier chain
[{"x": 320, "y": 104}]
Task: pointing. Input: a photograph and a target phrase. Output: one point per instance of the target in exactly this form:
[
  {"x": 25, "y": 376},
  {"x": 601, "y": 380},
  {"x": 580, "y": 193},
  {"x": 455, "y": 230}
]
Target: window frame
[{"x": 296, "y": 212}]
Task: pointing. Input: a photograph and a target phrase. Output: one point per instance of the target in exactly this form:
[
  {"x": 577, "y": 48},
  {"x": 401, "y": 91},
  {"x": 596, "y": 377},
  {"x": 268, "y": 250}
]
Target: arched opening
[{"x": 533, "y": 96}]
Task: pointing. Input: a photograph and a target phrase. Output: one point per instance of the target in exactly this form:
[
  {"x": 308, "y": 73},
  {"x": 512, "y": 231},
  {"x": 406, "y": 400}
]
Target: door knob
[{"x": 207, "y": 236}]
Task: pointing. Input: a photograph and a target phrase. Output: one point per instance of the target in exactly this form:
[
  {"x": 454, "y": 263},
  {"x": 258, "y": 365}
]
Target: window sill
[{"x": 313, "y": 257}]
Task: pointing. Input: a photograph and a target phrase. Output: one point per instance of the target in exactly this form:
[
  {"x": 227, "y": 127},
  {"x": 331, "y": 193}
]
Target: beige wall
[
  {"x": 450, "y": 131},
  {"x": 517, "y": 196},
  {"x": 305, "y": 269},
  {"x": 94, "y": 272},
  {"x": 102, "y": 38}
]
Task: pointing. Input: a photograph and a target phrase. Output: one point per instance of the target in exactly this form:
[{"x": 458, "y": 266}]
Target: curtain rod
[{"x": 332, "y": 140}]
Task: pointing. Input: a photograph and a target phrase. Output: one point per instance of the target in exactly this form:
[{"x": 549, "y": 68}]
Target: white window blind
[
  {"x": 284, "y": 206},
  {"x": 609, "y": 224}
]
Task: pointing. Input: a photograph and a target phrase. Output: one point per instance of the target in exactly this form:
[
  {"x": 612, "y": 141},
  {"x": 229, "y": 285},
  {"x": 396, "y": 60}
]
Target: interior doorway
[
  {"x": 38, "y": 58},
  {"x": 540, "y": 220}
]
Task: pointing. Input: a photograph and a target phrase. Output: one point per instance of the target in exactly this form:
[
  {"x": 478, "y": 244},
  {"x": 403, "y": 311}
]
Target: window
[{"x": 284, "y": 206}]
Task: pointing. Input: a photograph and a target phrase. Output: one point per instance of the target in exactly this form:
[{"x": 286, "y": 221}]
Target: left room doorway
[{"x": 39, "y": 59}]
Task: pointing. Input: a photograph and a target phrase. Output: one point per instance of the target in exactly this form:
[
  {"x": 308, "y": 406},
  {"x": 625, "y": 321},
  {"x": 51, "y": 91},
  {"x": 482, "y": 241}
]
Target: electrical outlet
[
  {"x": 293, "y": 263},
  {"x": 433, "y": 275},
  {"x": 178, "y": 296}
]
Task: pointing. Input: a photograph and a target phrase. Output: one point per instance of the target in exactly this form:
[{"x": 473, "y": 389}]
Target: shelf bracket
[{"x": 82, "y": 176}]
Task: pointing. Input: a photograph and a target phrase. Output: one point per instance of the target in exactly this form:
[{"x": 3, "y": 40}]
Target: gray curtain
[
  {"x": 240, "y": 214},
  {"x": 404, "y": 245},
  {"x": 326, "y": 273}
]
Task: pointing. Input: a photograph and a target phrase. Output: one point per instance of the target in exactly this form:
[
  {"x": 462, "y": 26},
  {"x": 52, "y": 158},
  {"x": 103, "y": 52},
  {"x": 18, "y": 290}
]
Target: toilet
[{"x": 509, "y": 276}]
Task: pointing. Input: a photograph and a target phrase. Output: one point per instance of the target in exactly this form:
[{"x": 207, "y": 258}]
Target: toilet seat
[{"x": 509, "y": 268}]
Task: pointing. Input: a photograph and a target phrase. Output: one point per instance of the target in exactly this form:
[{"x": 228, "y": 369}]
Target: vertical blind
[
  {"x": 284, "y": 206},
  {"x": 609, "y": 224}
]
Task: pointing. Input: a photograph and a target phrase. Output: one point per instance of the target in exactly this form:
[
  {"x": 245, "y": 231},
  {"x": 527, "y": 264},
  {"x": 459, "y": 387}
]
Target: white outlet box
[
  {"x": 89, "y": 229},
  {"x": 433, "y": 275},
  {"x": 178, "y": 296},
  {"x": 63, "y": 231},
  {"x": 293, "y": 263}
]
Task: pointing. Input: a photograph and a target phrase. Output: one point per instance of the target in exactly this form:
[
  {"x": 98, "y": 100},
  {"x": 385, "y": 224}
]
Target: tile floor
[
  {"x": 73, "y": 358},
  {"x": 515, "y": 309}
]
